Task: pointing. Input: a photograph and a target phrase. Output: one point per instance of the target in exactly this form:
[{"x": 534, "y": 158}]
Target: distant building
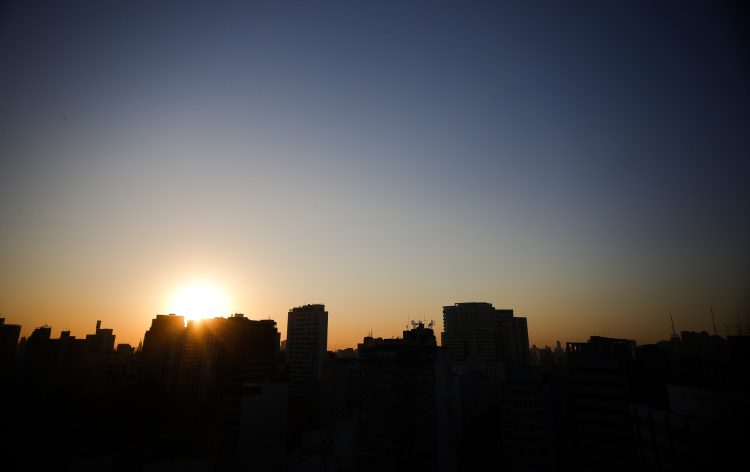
[
  {"x": 482, "y": 332},
  {"x": 103, "y": 340},
  {"x": 306, "y": 347},
  {"x": 103, "y": 367},
  {"x": 486, "y": 346},
  {"x": 70, "y": 364},
  {"x": 125, "y": 349}
]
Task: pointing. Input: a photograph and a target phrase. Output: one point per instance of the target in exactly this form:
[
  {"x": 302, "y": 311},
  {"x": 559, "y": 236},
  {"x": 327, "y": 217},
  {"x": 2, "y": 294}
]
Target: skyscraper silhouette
[
  {"x": 306, "y": 344},
  {"x": 159, "y": 354},
  {"x": 486, "y": 346}
]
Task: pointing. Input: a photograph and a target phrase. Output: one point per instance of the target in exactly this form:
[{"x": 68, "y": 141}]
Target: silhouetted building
[
  {"x": 407, "y": 422},
  {"x": 71, "y": 366},
  {"x": 254, "y": 426},
  {"x": 158, "y": 357},
  {"x": 218, "y": 356},
  {"x": 103, "y": 340},
  {"x": 125, "y": 349},
  {"x": 306, "y": 345},
  {"x": 480, "y": 331},
  {"x": 9, "y": 335},
  {"x": 486, "y": 346},
  {"x": 341, "y": 387},
  {"x": 70, "y": 362},
  {"x": 599, "y": 391},
  {"x": 104, "y": 369},
  {"x": 196, "y": 363},
  {"x": 694, "y": 355},
  {"x": 36, "y": 364},
  {"x": 532, "y": 421},
  {"x": 700, "y": 430},
  {"x": 222, "y": 367}
]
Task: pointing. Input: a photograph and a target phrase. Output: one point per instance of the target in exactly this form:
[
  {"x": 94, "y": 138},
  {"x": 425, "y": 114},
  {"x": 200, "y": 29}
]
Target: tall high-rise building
[
  {"x": 486, "y": 346},
  {"x": 306, "y": 344},
  {"x": 479, "y": 331}
]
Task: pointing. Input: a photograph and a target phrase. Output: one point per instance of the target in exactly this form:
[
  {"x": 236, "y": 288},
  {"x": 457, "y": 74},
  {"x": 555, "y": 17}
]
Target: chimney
[{"x": 98, "y": 325}]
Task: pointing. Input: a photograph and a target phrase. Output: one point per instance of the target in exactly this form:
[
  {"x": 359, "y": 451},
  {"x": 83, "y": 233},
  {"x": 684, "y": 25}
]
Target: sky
[{"x": 584, "y": 163}]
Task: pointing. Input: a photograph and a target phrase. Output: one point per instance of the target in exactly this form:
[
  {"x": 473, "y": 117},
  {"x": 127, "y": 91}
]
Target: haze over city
[{"x": 586, "y": 165}]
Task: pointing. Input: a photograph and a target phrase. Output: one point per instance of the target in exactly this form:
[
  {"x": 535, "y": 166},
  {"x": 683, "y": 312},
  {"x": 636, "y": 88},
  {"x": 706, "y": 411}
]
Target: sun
[{"x": 199, "y": 300}]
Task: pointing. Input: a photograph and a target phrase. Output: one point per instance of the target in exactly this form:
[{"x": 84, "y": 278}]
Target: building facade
[{"x": 306, "y": 346}]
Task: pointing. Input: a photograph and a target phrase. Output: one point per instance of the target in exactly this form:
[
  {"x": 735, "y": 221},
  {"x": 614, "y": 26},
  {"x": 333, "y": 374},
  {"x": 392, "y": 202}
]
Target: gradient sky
[{"x": 587, "y": 165}]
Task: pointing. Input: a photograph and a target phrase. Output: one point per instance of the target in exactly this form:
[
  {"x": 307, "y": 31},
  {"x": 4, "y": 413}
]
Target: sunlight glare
[{"x": 199, "y": 300}]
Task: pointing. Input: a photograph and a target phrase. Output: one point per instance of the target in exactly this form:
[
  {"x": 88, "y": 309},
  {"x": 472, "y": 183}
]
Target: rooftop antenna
[
  {"x": 674, "y": 331},
  {"x": 714, "y": 321}
]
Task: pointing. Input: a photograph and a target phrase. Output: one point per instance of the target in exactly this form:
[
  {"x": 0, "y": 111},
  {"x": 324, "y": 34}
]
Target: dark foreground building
[
  {"x": 599, "y": 392},
  {"x": 407, "y": 422}
]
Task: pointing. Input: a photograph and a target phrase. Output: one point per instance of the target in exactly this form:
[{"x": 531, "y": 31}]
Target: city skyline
[
  {"x": 228, "y": 394},
  {"x": 738, "y": 327},
  {"x": 586, "y": 165},
  {"x": 382, "y": 235}
]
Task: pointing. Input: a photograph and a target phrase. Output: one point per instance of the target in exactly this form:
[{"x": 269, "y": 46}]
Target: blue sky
[{"x": 585, "y": 164}]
